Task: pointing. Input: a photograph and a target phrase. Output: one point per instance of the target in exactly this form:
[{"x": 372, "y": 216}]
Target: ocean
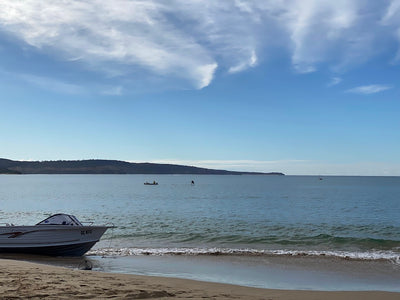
[{"x": 302, "y": 232}]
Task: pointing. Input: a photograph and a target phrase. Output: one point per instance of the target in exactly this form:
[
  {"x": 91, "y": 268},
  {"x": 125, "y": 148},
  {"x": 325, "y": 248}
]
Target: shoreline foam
[{"x": 212, "y": 251}]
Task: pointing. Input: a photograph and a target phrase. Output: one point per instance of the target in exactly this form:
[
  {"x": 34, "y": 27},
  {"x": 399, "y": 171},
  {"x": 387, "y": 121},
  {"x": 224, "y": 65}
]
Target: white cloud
[
  {"x": 207, "y": 72},
  {"x": 188, "y": 40},
  {"x": 113, "y": 91},
  {"x": 326, "y": 31},
  {"x": 109, "y": 36},
  {"x": 251, "y": 62},
  {"x": 369, "y": 89},
  {"x": 335, "y": 81}
]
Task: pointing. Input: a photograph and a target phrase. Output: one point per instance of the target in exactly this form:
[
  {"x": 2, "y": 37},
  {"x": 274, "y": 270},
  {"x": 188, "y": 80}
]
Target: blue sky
[{"x": 300, "y": 87}]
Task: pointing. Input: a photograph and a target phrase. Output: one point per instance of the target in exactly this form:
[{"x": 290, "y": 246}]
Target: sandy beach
[{"x": 37, "y": 281}]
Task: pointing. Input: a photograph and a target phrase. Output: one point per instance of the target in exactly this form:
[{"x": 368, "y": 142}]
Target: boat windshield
[{"x": 61, "y": 219}]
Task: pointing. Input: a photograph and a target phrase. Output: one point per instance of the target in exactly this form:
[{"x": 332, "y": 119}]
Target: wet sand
[{"x": 36, "y": 281}]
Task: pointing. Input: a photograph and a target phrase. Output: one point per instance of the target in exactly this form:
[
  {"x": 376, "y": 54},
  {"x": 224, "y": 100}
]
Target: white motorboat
[{"x": 58, "y": 235}]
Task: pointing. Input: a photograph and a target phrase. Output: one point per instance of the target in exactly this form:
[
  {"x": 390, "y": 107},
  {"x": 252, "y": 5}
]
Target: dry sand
[{"x": 24, "y": 280}]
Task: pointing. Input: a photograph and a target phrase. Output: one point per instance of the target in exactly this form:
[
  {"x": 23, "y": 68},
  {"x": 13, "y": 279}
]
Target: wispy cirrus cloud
[
  {"x": 369, "y": 89},
  {"x": 111, "y": 37},
  {"x": 189, "y": 41},
  {"x": 52, "y": 84},
  {"x": 391, "y": 19}
]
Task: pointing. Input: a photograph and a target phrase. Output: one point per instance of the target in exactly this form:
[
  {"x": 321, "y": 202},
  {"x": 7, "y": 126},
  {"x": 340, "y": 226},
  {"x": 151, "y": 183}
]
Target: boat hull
[
  {"x": 63, "y": 250},
  {"x": 54, "y": 240}
]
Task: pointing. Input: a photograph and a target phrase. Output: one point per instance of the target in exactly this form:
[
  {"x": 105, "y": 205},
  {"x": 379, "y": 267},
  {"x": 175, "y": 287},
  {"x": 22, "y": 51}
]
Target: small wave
[
  {"x": 281, "y": 240},
  {"x": 372, "y": 255},
  {"x": 362, "y": 242}
]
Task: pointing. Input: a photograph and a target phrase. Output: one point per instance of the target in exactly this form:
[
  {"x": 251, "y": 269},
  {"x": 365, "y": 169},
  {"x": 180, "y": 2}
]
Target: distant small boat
[
  {"x": 151, "y": 183},
  {"x": 58, "y": 235}
]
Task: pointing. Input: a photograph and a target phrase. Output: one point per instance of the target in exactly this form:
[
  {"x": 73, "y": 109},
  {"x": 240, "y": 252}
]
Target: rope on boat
[{"x": 112, "y": 236}]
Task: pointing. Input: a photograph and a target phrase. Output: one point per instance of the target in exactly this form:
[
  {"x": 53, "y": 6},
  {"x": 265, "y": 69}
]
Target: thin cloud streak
[
  {"x": 295, "y": 167},
  {"x": 232, "y": 165},
  {"x": 369, "y": 89},
  {"x": 51, "y": 84},
  {"x": 113, "y": 91}
]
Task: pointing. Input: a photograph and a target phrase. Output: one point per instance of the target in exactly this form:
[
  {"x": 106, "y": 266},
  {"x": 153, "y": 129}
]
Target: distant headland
[{"x": 101, "y": 166}]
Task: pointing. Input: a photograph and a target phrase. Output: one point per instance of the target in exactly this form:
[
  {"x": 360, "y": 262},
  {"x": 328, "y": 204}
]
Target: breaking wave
[{"x": 391, "y": 256}]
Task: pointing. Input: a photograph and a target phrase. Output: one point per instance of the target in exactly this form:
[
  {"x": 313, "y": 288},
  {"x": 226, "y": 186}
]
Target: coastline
[{"x": 25, "y": 279}]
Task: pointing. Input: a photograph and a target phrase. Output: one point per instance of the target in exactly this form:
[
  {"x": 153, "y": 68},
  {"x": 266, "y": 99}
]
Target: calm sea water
[{"x": 352, "y": 218}]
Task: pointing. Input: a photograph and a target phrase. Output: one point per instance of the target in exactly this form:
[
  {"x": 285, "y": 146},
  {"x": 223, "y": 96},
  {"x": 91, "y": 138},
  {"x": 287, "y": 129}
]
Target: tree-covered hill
[{"x": 99, "y": 166}]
